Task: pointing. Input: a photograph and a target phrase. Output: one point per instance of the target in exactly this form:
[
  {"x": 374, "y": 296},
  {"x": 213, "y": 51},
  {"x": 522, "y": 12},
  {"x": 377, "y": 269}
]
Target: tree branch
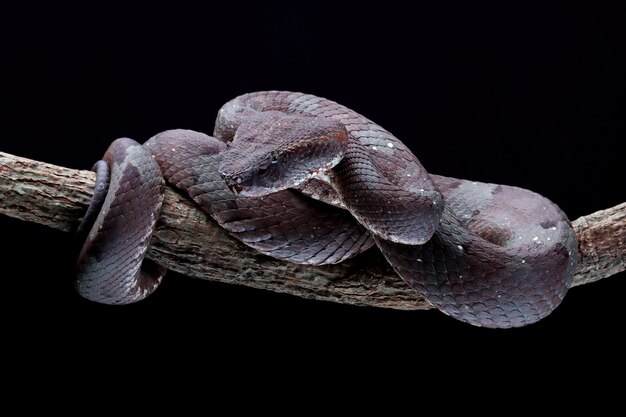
[{"x": 188, "y": 241}]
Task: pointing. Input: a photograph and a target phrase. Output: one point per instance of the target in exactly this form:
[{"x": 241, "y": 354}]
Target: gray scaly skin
[
  {"x": 494, "y": 256},
  {"x": 111, "y": 268}
]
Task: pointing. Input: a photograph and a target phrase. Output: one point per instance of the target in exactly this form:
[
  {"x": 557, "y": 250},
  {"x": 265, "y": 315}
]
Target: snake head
[{"x": 273, "y": 151}]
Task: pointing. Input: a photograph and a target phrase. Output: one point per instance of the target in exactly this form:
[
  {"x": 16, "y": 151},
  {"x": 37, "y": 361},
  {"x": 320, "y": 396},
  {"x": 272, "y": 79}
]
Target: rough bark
[{"x": 57, "y": 197}]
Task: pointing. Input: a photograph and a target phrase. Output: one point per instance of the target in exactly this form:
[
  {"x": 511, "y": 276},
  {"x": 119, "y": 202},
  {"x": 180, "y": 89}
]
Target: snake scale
[{"x": 306, "y": 180}]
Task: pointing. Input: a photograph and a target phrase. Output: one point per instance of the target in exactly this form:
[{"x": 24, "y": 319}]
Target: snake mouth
[
  {"x": 243, "y": 188},
  {"x": 234, "y": 184},
  {"x": 235, "y": 188},
  {"x": 246, "y": 185}
]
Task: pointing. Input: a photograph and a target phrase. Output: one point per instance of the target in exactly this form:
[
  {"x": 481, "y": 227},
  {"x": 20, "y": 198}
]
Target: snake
[{"x": 306, "y": 180}]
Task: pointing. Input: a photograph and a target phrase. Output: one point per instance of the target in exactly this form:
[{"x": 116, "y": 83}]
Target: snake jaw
[
  {"x": 246, "y": 185},
  {"x": 233, "y": 182},
  {"x": 235, "y": 188}
]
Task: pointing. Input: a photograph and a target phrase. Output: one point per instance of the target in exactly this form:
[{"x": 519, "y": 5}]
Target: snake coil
[{"x": 306, "y": 180}]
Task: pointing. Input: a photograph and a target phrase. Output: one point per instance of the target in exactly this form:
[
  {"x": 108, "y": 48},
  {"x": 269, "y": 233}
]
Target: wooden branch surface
[{"x": 188, "y": 241}]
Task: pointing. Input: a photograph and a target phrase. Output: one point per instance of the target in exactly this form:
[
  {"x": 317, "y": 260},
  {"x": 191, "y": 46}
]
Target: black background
[{"x": 527, "y": 95}]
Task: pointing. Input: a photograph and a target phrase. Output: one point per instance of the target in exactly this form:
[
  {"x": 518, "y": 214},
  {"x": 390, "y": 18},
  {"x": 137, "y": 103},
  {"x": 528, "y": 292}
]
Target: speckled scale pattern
[
  {"x": 381, "y": 182},
  {"x": 285, "y": 225},
  {"x": 499, "y": 256},
  {"x": 301, "y": 145},
  {"x": 491, "y": 263}
]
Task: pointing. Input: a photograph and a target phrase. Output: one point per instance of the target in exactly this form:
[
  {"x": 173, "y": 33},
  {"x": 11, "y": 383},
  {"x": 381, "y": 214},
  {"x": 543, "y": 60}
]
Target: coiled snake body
[{"x": 306, "y": 180}]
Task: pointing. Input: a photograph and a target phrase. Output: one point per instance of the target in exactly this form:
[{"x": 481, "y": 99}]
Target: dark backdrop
[{"x": 527, "y": 95}]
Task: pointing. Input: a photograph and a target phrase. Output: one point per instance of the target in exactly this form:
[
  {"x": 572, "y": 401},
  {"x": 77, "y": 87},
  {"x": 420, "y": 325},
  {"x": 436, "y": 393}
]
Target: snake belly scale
[{"x": 306, "y": 180}]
